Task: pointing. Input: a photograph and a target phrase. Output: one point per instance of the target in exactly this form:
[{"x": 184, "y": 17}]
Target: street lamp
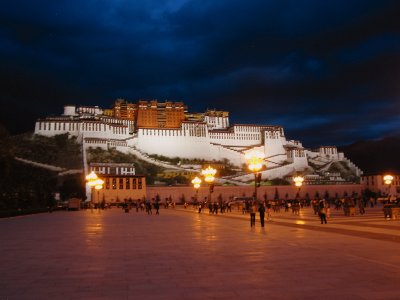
[
  {"x": 298, "y": 181},
  {"x": 196, "y": 184},
  {"x": 90, "y": 180},
  {"x": 254, "y": 160},
  {"x": 209, "y": 177},
  {"x": 98, "y": 186},
  {"x": 95, "y": 183},
  {"x": 387, "y": 179}
]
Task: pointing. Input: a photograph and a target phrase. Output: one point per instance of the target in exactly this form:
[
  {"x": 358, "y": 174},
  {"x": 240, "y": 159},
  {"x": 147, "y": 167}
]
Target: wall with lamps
[
  {"x": 209, "y": 177},
  {"x": 255, "y": 160}
]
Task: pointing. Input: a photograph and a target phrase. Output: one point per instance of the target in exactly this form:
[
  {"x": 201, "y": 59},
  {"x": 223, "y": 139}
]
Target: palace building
[{"x": 169, "y": 129}]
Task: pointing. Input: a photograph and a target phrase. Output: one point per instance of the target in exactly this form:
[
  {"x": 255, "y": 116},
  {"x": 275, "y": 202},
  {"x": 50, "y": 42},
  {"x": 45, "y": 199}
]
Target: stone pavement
[{"x": 181, "y": 254}]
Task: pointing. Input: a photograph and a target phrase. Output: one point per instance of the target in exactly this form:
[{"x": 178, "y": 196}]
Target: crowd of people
[{"x": 265, "y": 208}]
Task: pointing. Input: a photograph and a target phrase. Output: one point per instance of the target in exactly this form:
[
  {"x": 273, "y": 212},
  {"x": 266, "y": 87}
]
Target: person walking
[
  {"x": 157, "y": 207},
  {"x": 210, "y": 207},
  {"x": 269, "y": 215},
  {"x": 137, "y": 205},
  {"x": 253, "y": 211},
  {"x": 328, "y": 211},
  {"x": 148, "y": 207},
  {"x": 215, "y": 208},
  {"x": 261, "y": 210},
  {"x": 361, "y": 207},
  {"x": 322, "y": 212}
]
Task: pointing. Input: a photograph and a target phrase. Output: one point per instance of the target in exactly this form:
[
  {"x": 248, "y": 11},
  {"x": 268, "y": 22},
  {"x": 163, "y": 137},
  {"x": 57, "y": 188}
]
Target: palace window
[
  {"x": 121, "y": 183},
  {"x": 127, "y": 184},
  {"x": 139, "y": 183},
  {"x": 134, "y": 183},
  {"x": 107, "y": 183},
  {"x": 114, "y": 183}
]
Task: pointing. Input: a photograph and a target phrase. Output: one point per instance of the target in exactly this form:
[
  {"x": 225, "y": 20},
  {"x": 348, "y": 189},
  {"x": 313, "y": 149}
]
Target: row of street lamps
[{"x": 254, "y": 160}]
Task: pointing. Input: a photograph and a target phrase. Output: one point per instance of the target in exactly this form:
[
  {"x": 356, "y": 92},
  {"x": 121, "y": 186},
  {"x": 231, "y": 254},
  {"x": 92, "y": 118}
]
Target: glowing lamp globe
[
  {"x": 298, "y": 181},
  {"x": 209, "y": 174},
  {"x": 388, "y": 179},
  {"x": 91, "y": 179},
  {"x": 196, "y": 182},
  {"x": 254, "y": 160}
]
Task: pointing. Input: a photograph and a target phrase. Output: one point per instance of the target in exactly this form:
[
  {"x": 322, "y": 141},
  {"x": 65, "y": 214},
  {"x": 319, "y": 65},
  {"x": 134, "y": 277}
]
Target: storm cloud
[{"x": 328, "y": 71}]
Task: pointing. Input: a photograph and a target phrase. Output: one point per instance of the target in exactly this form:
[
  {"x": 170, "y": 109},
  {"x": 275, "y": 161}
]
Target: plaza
[{"x": 181, "y": 254}]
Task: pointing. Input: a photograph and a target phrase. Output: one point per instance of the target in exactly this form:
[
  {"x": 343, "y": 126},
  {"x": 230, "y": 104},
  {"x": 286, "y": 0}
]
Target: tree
[
  {"x": 183, "y": 199},
  {"x": 72, "y": 186},
  {"x": 61, "y": 140},
  {"x": 276, "y": 196}
]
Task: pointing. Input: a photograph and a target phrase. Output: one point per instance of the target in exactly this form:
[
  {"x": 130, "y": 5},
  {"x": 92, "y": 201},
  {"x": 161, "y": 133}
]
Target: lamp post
[
  {"x": 254, "y": 160},
  {"x": 196, "y": 184},
  {"x": 98, "y": 186},
  {"x": 90, "y": 180},
  {"x": 209, "y": 177},
  {"x": 298, "y": 181},
  {"x": 387, "y": 179},
  {"x": 95, "y": 183}
]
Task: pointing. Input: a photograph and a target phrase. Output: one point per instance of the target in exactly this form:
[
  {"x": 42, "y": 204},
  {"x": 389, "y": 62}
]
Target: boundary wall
[{"x": 247, "y": 191}]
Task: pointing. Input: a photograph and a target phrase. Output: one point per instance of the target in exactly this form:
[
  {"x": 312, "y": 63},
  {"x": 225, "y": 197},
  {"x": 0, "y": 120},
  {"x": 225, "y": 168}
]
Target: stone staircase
[
  {"x": 353, "y": 166},
  {"x": 151, "y": 160},
  {"x": 61, "y": 171}
]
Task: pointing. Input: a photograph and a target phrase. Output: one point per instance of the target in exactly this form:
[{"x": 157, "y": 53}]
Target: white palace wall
[
  {"x": 274, "y": 150},
  {"x": 172, "y": 143},
  {"x": 233, "y": 139},
  {"x": 52, "y": 128},
  {"x": 190, "y": 141},
  {"x": 76, "y": 128},
  {"x": 219, "y": 152},
  {"x": 239, "y": 136}
]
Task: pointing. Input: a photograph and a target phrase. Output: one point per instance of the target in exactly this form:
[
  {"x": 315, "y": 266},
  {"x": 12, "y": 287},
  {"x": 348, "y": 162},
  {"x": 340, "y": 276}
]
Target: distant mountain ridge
[{"x": 378, "y": 156}]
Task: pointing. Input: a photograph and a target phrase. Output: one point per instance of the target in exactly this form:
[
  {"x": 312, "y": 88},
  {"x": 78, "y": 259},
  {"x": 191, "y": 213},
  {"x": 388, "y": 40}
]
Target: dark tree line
[{"x": 23, "y": 186}]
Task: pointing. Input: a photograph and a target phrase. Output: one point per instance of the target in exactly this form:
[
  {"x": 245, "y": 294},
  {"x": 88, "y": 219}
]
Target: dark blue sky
[{"x": 328, "y": 71}]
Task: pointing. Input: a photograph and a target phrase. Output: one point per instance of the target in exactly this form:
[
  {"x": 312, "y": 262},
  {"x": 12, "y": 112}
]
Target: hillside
[
  {"x": 60, "y": 150},
  {"x": 25, "y": 184},
  {"x": 375, "y": 156}
]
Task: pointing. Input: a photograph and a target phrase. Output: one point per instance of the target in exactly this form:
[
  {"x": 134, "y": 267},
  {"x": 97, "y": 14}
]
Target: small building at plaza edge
[{"x": 120, "y": 183}]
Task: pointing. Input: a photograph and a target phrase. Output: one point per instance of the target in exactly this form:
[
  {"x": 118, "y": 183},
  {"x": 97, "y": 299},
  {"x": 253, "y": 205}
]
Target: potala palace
[{"x": 168, "y": 129}]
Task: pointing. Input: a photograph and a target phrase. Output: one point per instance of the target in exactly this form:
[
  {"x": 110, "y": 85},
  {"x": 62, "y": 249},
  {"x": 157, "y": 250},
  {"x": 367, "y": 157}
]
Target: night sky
[{"x": 327, "y": 71}]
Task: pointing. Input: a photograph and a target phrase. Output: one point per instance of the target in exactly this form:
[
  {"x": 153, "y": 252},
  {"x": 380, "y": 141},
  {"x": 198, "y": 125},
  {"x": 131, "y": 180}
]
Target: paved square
[{"x": 181, "y": 254}]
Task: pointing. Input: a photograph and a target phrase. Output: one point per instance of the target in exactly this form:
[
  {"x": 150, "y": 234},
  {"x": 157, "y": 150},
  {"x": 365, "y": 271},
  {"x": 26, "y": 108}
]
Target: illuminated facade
[
  {"x": 120, "y": 182},
  {"x": 124, "y": 110},
  {"x": 168, "y": 129},
  {"x": 119, "y": 188},
  {"x": 154, "y": 114}
]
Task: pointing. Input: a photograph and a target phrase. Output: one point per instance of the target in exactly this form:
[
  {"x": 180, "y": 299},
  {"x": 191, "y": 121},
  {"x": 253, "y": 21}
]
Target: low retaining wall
[{"x": 247, "y": 191}]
